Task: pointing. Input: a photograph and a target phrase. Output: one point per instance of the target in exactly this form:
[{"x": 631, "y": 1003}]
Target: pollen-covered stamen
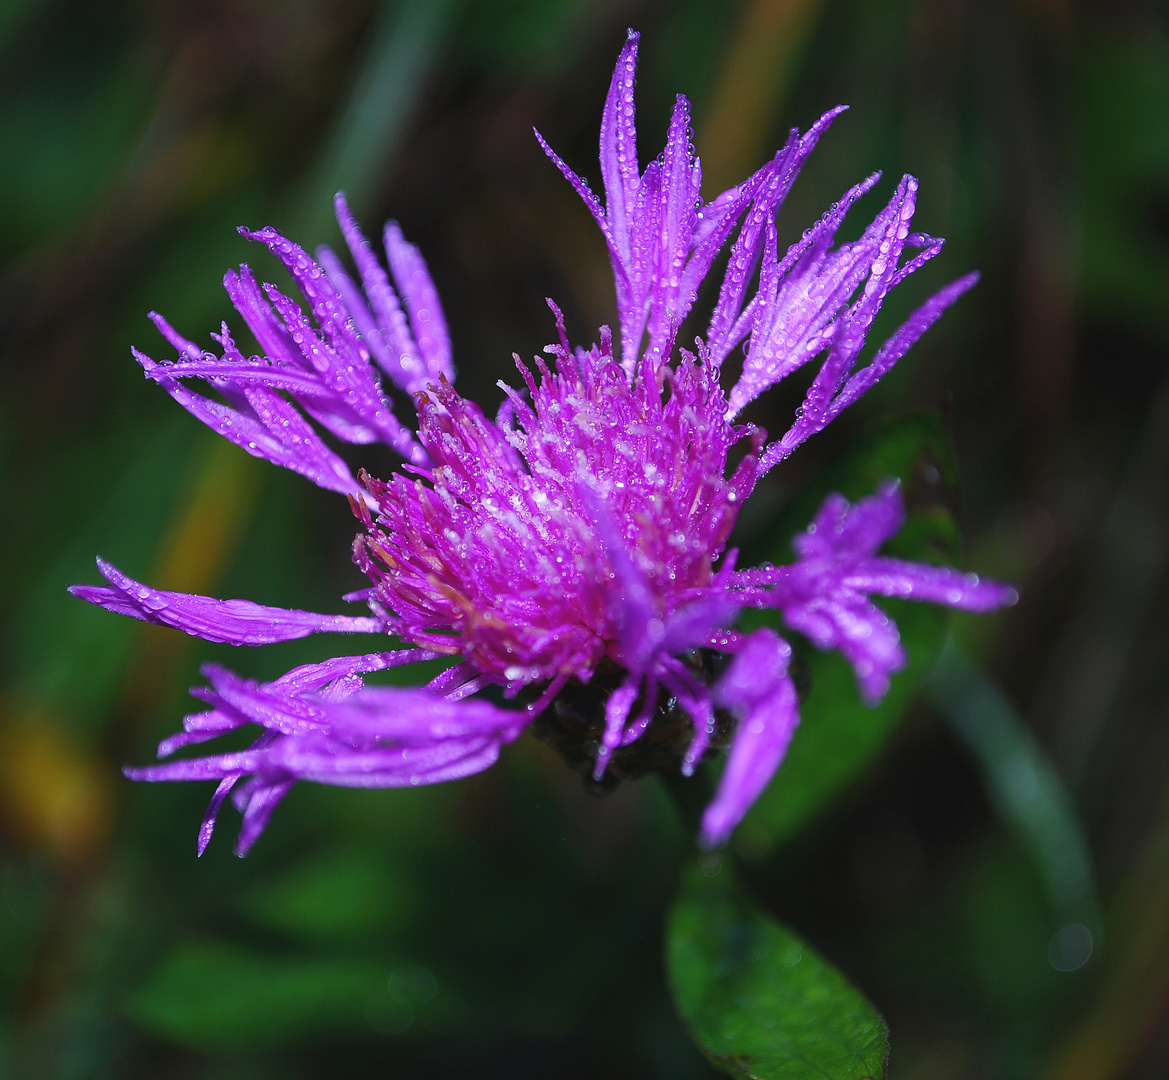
[{"x": 512, "y": 539}]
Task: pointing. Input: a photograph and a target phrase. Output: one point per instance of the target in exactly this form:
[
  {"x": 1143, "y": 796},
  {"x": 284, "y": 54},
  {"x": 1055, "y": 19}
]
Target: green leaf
[
  {"x": 219, "y": 996},
  {"x": 348, "y": 893},
  {"x": 915, "y": 449},
  {"x": 68, "y": 126},
  {"x": 71, "y": 656},
  {"x": 838, "y": 734},
  {"x": 1022, "y": 783},
  {"x": 758, "y": 1000},
  {"x": 403, "y": 52}
]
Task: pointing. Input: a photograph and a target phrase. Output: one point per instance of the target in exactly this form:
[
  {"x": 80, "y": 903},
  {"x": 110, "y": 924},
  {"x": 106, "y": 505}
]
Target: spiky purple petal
[
  {"x": 759, "y": 691},
  {"x": 235, "y": 622},
  {"x": 825, "y": 594},
  {"x": 322, "y": 364},
  {"x": 342, "y": 734}
]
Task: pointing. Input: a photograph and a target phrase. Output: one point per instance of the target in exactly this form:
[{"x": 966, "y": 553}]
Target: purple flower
[{"x": 579, "y": 538}]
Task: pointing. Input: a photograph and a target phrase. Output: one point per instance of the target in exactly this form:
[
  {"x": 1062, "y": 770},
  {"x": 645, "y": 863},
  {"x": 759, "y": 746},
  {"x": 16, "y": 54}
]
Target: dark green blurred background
[{"x": 510, "y": 925}]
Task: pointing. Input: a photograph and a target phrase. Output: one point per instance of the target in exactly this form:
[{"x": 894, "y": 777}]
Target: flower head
[{"x": 579, "y": 538}]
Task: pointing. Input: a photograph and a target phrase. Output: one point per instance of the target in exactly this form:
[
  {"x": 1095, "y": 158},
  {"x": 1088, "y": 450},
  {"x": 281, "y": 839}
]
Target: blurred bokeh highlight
[{"x": 997, "y": 883}]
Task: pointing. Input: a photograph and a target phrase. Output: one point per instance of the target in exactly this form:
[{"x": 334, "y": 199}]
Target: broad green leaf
[
  {"x": 348, "y": 893},
  {"x": 757, "y": 999},
  {"x": 838, "y": 734},
  {"x": 219, "y": 996}
]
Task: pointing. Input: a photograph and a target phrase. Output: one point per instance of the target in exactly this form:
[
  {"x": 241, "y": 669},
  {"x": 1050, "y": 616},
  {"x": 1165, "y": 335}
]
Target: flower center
[{"x": 508, "y": 542}]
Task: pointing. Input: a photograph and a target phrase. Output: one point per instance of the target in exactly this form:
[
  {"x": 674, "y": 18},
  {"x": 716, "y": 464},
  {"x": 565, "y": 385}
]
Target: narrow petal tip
[
  {"x": 714, "y": 832},
  {"x": 966, "y": 282}
]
